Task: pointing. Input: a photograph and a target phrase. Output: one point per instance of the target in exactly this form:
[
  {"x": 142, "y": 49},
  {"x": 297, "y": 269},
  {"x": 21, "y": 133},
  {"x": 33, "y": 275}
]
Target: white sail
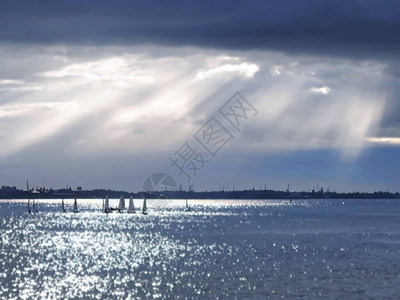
[
  {"x": 34, "y": 209},
  {"x": 62, "y": 205},
  {"x": 144, "y": 208},
  {"x": 121, "y": 205},
  {"x": 187, "y": 208},
  {"x": 107, "y": 205},
  {"x": 75, "y": 206},
  {"x": 131, "y": 207}
]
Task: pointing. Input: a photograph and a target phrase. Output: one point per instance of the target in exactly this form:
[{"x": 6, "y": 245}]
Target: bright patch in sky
[
  {"x": 276, "y": 71},
  {"x": 118, "y": 71},
  {"x": 11, "y": 82},
  {"x": 243, "y": 69},
  {"x": 125, "y": 101},
  {"x": 384, "y": 140},
  {"x": 137, "y": 97},
  {"x": 324, "y": 90}
]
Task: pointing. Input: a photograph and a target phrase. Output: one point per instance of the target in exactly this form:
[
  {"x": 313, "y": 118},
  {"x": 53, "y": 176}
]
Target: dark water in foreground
[{"x": 222, "y": 249}]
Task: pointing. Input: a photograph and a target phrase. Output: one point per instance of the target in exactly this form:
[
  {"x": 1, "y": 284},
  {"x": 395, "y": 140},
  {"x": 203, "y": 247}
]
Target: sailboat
[
  {"x": 144, "y": 207},
  {"x": 131, "y": 207},
  {"x": 107, "y": 205},
  {"x": 288, "y": 192},
  {"x": 62, "y": 206},
  {"x": 187, "y": 208},
  {"x": 34, "y": 209},
  {"x": 121, "y": 205},
  {"x": 29, "y": 206},
  {"x": 75, "y": 210}
]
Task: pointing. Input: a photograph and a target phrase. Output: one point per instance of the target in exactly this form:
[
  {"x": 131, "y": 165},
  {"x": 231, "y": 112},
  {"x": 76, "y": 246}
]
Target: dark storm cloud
[{"x": 356, "y": 28}]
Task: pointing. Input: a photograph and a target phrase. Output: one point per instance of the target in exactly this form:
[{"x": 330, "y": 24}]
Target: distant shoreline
[{"x": 14, "y": 193}]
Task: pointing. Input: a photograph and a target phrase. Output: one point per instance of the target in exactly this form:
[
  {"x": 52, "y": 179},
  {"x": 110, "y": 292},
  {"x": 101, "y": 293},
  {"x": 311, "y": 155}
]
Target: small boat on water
[
  {"x": 144, "y": 207},
  {"x": 121, "y": 205},
  {"x": 288, "y": 192},
  {"x": 75, "y": 210},
  {"x": 62, "y": 206},
  {"x": 187, "y": 208},
  {"x": 34, "y": 208},
  {"x": 131, "y": 207},
  {"x": 29, "y": 206},
  {"x": 106, "y": 207}
]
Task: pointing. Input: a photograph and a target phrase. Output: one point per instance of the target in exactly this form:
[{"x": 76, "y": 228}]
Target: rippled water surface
[{"x": 221, "y": 249}]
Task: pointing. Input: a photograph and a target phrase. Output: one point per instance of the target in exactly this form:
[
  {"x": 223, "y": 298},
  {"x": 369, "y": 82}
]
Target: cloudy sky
[{"x": 104, "y": 93}]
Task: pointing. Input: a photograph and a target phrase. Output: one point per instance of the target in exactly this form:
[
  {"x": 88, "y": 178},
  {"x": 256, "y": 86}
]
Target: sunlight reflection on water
[{"x": 224, "y": 249}]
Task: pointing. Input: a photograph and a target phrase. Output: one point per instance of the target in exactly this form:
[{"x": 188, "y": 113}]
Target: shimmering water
[{"x": 222, "y": 249}]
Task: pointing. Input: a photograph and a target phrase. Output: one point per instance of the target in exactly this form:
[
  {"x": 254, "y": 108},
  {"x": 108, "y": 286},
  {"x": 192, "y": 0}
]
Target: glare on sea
[{"x": 221, "y": 248}]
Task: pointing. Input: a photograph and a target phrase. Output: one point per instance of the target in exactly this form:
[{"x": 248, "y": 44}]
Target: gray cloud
[{"x": 355, "y": 28}]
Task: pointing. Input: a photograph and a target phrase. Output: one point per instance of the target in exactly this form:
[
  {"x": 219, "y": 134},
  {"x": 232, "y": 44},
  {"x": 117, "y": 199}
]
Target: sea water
[{"x": 221, "y": 249}]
